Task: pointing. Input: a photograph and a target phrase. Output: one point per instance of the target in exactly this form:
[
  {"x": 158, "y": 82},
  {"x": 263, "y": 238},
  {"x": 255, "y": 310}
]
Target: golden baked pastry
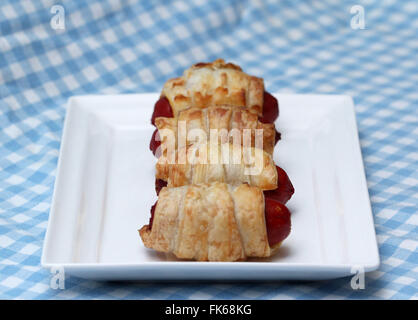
[
  {"x": 215, "y": 83},
  {"x": 231, "y": 122},
  {"x": 221, "y": 197},
  {"x": 212, "y": 222},
  {"x": 207, "y": 163}
]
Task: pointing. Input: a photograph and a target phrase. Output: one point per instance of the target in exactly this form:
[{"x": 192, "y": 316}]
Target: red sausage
[
  {"x": 162, "y": 108},
  {"x": 284, "y": 189},
  {"x": 159, "y": 184},
  {"x": 277, "y": 221},
  {"x": 151, "y": 219},
  {"x": 277, "y": 137},
  {"x": 270, "y": 108},
  {"x": 155, "y": 143}
]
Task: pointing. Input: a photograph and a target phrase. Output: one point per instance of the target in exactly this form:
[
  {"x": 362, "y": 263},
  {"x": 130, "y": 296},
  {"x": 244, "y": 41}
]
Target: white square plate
[{"x": 105, "y": 188}]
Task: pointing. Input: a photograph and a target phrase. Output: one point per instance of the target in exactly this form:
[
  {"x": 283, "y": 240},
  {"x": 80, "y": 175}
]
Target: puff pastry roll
[
  {"x": 216, "y": 83},
  {"x": 216, "y": 222},
  {"x": 223, "y": 123},
  {"x": 228, "y": 163}
]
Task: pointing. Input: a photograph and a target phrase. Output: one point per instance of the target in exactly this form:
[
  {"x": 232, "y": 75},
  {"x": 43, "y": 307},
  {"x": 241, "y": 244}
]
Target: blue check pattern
[{"x": 128, "y": 46}]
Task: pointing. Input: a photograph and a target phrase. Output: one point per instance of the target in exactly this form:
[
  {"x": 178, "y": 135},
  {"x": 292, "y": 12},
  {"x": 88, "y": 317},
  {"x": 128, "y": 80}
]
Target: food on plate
[
  {"x": 221, "y": 197},
  {"x": 283, "y": 193},
  {"x": 284, "y": 190},
  {"x": 216, "y": 83},
  {"x": 223, "y": 123},
  {"x": 216, "y": 222},
  {"x": 215, "y": 162}
]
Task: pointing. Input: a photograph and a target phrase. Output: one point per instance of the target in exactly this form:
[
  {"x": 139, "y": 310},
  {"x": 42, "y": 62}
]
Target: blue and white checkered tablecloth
[{"x": 134, "y": 46}]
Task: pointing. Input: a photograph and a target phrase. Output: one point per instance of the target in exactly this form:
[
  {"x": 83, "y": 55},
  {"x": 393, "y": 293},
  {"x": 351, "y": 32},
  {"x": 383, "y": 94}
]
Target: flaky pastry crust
[
  {"x": 225, "y": 119},
  {"x": 215, "y": 83},
  {"x": 227, "y": 163},
  {"x": 209, "y": 222}
]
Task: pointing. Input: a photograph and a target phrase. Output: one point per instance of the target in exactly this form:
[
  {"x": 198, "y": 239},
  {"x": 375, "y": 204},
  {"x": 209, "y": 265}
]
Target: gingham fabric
[{"x": 134, "y": 46}]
